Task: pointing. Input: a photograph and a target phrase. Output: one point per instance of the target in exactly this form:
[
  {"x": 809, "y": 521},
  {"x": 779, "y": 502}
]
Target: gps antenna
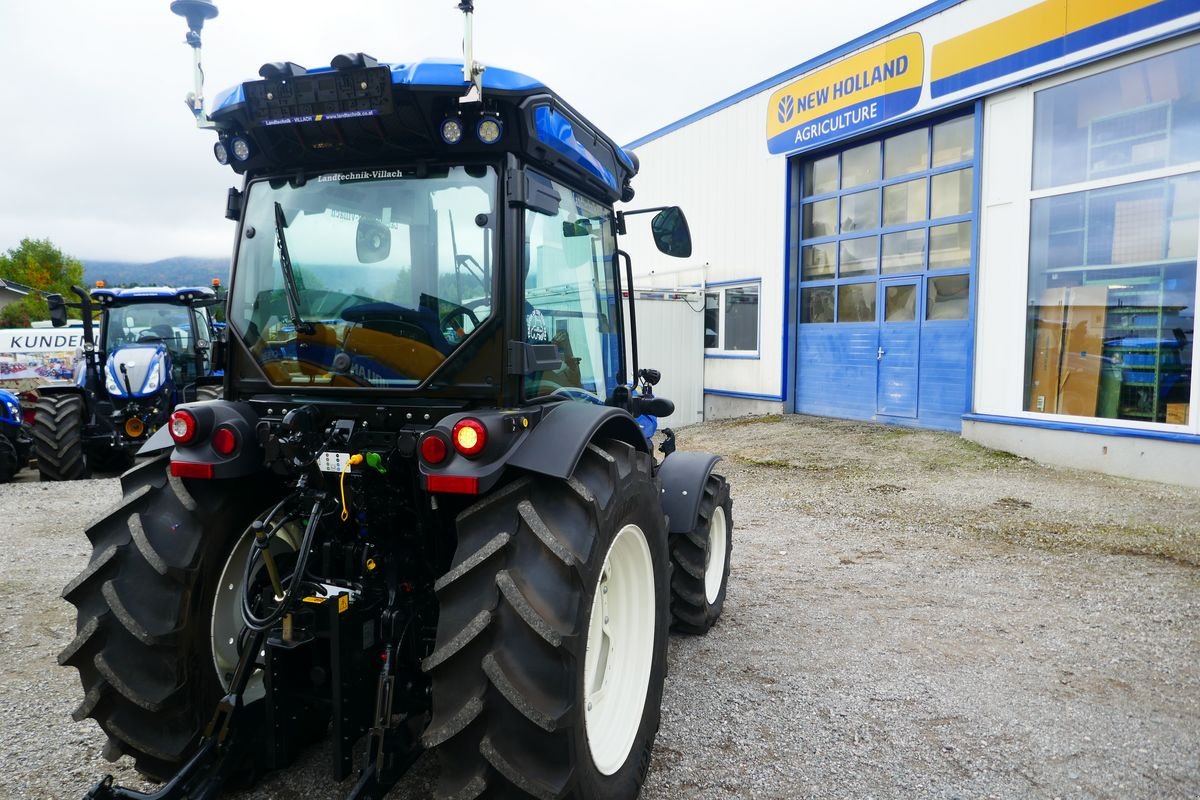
[
  {"x": 472, "y": 71},
  {"x": 196, "y": 12}
]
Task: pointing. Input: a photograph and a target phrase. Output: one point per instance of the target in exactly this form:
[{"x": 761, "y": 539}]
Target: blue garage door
[{"x": 886, "y": 264}]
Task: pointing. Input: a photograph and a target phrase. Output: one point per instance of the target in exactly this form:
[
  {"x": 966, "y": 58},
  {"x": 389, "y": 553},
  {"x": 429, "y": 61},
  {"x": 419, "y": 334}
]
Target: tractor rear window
[{"x": 386, "y": 274}]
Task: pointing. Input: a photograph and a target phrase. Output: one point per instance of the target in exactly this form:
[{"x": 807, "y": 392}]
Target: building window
[
  {"x": 901, "y": 204},
  {"x": 1112, "y": 262},
  {"x": 731, "y": 319}
]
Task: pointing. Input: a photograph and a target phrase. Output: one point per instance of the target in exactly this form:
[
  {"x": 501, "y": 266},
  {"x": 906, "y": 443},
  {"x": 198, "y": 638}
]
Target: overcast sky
[{"x": 99, "y": 154}]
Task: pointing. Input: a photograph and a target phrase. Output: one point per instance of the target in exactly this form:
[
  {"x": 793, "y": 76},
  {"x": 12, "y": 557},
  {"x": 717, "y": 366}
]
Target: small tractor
[
  {"x": 15, "y": 441},
  {"x": 424, "y": 516},
  {"x": 155, "y": 351}
]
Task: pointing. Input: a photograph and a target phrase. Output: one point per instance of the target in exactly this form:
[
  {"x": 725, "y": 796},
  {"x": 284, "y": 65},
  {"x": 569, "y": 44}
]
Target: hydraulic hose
[{"x": 263, "y": 623}]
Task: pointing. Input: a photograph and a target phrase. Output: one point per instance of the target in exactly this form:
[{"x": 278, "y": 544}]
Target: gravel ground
[{"x": 909, "y": 615}]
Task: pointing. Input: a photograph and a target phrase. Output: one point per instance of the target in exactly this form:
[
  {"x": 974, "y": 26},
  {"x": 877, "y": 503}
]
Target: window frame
[
  {"x": 1082, "y": 187},
  {"x": 969, "y": 113},
  {"x": 720, "y": 289}
]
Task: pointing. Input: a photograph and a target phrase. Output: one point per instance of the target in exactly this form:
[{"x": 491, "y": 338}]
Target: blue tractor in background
[
  {"x": 15, "y": 441},
  {"x": 154, "y": 351}
]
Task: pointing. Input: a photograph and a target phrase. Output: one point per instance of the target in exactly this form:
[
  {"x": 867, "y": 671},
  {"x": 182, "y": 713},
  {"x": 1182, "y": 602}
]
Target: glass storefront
[{"x": 1114, "y": 225}]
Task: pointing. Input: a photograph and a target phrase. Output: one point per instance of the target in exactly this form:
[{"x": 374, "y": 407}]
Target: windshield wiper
[{"x": 289, "y": 278}]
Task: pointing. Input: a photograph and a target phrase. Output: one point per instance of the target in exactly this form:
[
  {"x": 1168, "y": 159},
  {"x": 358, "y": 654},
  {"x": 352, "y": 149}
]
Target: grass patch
[
  {"x": 770, "y": 463},
  {"x": 755, "y": 420}
]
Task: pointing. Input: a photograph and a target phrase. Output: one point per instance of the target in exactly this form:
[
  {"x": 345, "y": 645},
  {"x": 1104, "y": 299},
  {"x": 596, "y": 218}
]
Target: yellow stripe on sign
[
  {"x": 1005, "y": 36},
  {"x": 1086, "y": 13},
  {"x": 1038, "y": 24}
]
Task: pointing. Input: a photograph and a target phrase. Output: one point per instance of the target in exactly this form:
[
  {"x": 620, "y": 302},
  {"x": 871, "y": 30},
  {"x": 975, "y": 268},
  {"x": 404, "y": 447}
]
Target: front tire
[
  {"x": 701, "y": 558},
  {"x": 521, "y": 649},
  {"x": 58, "y": 437},
  {"x": 142, "y": 644}
]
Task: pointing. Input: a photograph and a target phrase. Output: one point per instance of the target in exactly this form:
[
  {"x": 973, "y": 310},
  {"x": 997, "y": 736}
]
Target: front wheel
[
  {"x": 551, "y": 646},
  {"x": 701, "y": 558},
  {"x": 58, "y": 437}
]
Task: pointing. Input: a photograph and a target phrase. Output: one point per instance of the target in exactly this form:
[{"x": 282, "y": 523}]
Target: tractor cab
[{"x": 397, "y": 236}]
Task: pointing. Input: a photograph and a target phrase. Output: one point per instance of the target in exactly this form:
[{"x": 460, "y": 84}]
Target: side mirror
[
  {"x": 58, "y": 310},
  {"x": 373, "y": 240},
  {"x": 671, "y": 233}
]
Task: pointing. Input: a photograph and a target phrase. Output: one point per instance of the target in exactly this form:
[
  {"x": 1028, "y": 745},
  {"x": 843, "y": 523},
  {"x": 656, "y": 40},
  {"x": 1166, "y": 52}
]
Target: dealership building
[{"x": 982, "y": 217}]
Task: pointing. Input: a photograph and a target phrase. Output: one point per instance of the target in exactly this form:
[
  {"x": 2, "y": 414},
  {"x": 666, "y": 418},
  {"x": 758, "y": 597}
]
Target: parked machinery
[
  {"x": 425, "y": 513},
  {"x": 154, "y": 351}
]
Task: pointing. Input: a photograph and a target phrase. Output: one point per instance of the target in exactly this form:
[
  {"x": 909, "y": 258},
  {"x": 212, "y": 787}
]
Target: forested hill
[{"x": 177, "y": 271}]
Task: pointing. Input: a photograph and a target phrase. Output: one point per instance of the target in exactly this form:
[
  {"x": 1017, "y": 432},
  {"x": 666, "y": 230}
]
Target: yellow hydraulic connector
[{"x": 354, "y": 460}]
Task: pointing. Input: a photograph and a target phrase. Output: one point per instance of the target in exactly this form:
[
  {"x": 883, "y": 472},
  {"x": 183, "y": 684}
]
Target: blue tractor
[
  {"x": 424, "y": 516},
  {"x": 15, "y": 441},
  {"x": 154, "y": 351}
]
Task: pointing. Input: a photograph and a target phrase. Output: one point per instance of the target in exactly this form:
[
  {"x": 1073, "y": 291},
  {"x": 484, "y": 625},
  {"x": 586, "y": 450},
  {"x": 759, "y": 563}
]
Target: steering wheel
[
  {"x": 460, "y": 313},
  {"x": 149, "y": 336}
]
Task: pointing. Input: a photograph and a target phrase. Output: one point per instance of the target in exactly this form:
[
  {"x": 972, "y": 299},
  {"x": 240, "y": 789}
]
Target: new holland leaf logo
[{"x": 787, "y": 107}]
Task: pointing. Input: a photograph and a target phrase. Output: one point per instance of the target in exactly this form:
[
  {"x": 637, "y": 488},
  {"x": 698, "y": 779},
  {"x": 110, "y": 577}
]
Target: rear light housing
[
  {"x": 182, "y": 426},
  {"x": 469, "y": 437}
]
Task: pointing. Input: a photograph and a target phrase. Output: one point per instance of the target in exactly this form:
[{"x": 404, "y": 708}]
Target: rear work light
[
  {"x": 469, "y": 436},
  {"x": 182, "y": 426},
  {"x": 224, "y": 440}
]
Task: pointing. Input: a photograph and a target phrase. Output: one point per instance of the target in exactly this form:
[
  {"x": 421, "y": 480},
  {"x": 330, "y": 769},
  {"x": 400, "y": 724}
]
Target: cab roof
[{"x": 359, "y": 112}]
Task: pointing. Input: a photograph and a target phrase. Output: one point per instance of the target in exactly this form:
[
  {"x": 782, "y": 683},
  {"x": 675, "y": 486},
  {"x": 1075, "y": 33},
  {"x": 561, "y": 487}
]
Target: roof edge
[{"x": 895, "y": 25}]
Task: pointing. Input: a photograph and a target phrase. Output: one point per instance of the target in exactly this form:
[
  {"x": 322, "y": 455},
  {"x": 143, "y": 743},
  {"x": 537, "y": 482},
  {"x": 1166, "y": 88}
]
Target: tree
[{"x": 38, "y": 264}]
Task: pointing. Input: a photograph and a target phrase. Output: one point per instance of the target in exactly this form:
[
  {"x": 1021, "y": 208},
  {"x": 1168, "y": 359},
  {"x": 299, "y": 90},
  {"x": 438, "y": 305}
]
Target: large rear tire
[
  {"x": 209, "y": 391},
  {"x": 143, "y": 646},
  {"x": 701, "y": 559},
  {"x": 552, "y": 636},
  {"x": 58, "y": 437}
]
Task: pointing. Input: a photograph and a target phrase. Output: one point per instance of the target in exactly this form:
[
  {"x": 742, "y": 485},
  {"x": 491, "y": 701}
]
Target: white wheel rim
[
  {"x": 226, "y": 623},
  {"x": 714, "y": 555},
  {"x": 620, "y": 650}
]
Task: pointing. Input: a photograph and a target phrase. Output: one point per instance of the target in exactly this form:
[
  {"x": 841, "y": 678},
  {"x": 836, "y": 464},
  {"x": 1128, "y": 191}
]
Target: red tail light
[
  {"x": 182, "y": 426},
  {"x": 225, "y": 440},
  {"x": 433, "y": 449}
]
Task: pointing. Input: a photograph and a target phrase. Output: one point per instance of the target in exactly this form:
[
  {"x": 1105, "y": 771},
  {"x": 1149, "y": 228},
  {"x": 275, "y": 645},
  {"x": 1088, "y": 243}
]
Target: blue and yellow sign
[
  {"x": 1042, "y": 33},
  {"x": 860, "y": 92}
]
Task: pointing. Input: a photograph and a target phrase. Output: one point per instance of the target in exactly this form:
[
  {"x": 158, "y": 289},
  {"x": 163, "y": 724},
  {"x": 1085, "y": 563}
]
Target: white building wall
[
  {"x": 668, "y": 333},
  {"x": 734, "y": 195},
  {"x": 1003, "y": 252}
]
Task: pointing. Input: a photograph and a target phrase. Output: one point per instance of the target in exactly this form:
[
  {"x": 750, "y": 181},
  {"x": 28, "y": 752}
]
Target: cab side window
[{"x": 569, "y": 296}]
